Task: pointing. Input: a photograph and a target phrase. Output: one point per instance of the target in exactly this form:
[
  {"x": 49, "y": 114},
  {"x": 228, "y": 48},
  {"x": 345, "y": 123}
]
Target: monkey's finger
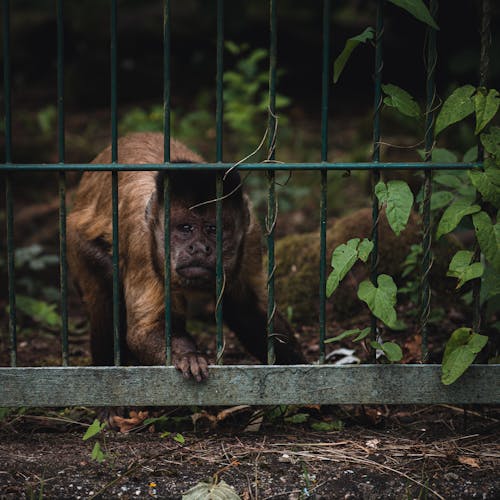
[
  {"x": 195, "y": 367},
  {"x": 203, "y": 363},
  {"x": 183, "y": 366}
]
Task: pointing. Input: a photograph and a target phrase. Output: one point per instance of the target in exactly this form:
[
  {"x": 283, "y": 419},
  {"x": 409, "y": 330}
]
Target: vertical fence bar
[
  {"x": 63, "y": 268},
  {"x": 325, "y": 84},
  {"x": 425, "y": 293},
  {"x": 271, "y": 202},
  {"x": 166, "y": 179},
  {"x": 114, "y": 187},
  {"x": 8, "y": 184},
  {"x": 376, "y": 147},
  {"x": 484, "y": 61},
  {"x": 219, "y": 272}
]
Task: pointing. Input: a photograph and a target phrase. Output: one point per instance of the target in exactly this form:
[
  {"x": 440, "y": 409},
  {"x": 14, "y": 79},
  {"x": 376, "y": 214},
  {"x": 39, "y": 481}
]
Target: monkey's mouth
[{"x": 196, "y": 272}]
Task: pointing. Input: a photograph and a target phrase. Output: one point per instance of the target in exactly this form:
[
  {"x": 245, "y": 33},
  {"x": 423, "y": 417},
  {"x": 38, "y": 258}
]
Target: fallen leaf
[
  {"x": 127, "y": 424},
  {"x": 471, "y": 462}
]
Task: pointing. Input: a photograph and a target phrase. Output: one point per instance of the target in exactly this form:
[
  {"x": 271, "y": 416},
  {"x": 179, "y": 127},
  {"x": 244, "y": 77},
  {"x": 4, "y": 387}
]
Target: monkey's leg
[
  {"x": 90, "y": 266},
  {"x": 246, "y": 316}
]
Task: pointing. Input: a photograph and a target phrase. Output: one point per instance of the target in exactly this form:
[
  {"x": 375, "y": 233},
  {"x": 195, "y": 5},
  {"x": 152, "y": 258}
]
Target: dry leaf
[
  {"x": 373, "y": 443},
  {"x": 127, "y": 424},
  {"x": 471, "y": 462}
]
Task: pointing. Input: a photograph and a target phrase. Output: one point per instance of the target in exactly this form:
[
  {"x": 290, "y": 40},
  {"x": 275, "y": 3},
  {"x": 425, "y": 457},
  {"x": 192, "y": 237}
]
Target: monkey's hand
[
  {"x": 187, "y": 359},
  {"x": 191, "y": 364}
]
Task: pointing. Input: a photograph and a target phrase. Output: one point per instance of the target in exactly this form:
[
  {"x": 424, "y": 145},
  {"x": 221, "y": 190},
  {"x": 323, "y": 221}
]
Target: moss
[{"x": 297, "y": 257}]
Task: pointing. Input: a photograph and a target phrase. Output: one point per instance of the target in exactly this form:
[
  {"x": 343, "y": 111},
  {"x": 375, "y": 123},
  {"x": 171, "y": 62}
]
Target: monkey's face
[{"x": 193, "y": 246}]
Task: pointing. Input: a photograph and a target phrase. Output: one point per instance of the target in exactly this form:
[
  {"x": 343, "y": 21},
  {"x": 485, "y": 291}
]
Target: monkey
[{"x": 192, "y": 255}]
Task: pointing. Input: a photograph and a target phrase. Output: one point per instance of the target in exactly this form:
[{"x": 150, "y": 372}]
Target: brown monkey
[{"x": 141, "y": 258}]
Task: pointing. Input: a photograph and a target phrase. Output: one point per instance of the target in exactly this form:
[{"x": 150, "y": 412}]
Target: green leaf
[
  {"x": 442, "y": 155},
  {"x": 39, "y": 310},
  {"x": 488, "y": 236},
  {"x": 391, "y": 350},
  {"x": 461, "y": 350},
  {"x": 361, "y": 334},
  {"x": 298, "y": 418},
  {"x": 97, "y": 453},
  {"x": 211, "y": 491},
  {"x": 399, "y": 199},
  {"x": 382, "y": 299},
  {"x": 440, "y": 199},
  {"x": 461, "y": 268},
  {"x": 486, "y": 104},
  {"x": 487, "y": 181},
  {"x": 401, "y": 100},
  {"x": 179, "y": 438},
  {"x": 343, "y": 258},
  {"x": 490, "y": 284},
  {"x": 458, "y": 106},
  {"x": 95, "y": 428},
  {"x": 337, "y": 425},
  {"x": 450, "y": 180},
  {"x": 491, "y": 141},
  {"x": 343, "y": 335},
  {"x": 454, "y": 214},
  {"x": 365, "y": 248},
  {"x": 471, "y": 155},
  {"x": 381, "y": 192},
  {"x": 351, "y": 44},
  {"x": 417, "y": 9}
]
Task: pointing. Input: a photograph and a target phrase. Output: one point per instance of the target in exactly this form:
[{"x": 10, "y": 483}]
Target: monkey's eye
[
  {"x": 211, "y": 228},
  {"x": 185, "y": 228}
]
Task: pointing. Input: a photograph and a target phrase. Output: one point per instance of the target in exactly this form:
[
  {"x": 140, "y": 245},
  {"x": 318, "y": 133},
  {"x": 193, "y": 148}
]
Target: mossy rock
[{"x": 297, "y": 258}]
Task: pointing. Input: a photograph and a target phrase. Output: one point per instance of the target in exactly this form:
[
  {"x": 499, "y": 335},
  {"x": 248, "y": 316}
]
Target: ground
[{"x": 400, "y": 452}]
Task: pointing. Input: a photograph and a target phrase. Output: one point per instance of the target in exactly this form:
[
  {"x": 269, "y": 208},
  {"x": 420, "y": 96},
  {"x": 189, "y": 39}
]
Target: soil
[{"x": 402, "y": 452}]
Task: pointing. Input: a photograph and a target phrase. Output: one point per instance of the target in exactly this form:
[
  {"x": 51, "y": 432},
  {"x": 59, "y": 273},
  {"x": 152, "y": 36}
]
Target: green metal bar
[
  {"x": 484, "y": 63},
  {"x": 325, "y": 83},
  {"x": 166, "y": 179},
  {"x": 114, "y": 187},
  {"x": 63, "y": 268},
  {"x": 376, "y": 148},
  {"x": 8, "y": 184},
  {"x": 425, "y": 293},
  {"x": 334, "y": 166},
  {"x": 253, "y": 385},
  {"x": 271, "y": 202},
  {"x": 219, "y": 272}
]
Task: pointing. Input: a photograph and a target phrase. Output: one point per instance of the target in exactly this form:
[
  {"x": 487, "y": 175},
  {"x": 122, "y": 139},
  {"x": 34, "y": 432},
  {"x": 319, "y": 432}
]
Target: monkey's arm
[
  {"x": 146, "y": 328},
  {"x": 246, "y": 315}
]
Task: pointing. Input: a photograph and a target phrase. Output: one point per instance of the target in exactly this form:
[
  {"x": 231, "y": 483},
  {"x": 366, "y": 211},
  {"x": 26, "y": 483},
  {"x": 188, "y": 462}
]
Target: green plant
[
  {"x": 29, "y": 263},
  {"x": 471, "y": 197},
  {"x": 246, "y": 94},
  {"x": 94, "y": 429}
]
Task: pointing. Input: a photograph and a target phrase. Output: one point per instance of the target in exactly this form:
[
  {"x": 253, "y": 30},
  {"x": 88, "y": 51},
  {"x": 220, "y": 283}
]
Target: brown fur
[{"x": 141, "y": 255}]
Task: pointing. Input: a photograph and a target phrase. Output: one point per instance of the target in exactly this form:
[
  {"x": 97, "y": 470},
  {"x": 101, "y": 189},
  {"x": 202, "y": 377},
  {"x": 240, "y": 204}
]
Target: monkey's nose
[{"x": 199, "y": 247}]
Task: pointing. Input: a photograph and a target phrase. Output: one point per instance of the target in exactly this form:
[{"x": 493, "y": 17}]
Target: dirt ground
[{"x": 399, "y": 452}]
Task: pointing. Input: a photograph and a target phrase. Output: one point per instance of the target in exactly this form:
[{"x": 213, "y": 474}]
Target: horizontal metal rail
[
  {"x": 265, "y": 166},
  {"x": 259, "y": 385}
]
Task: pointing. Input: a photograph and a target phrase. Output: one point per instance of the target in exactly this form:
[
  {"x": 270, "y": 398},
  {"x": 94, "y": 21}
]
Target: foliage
[
  {"x": 350, "y": 45},
  {"x": 469, "y": 198},
  {"x": 344, "y": 257},
  {"x": 94, "y": 429},
  {"x": 398, "y": 199},
  {"x": 28, "y": 262},
  {"x": 461, "y": 350},
  {"x": 211, "y": 490}
]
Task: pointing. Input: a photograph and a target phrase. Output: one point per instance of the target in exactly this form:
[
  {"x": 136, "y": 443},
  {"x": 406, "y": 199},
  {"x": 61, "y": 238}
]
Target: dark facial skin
[{"x": 193, "y": 246}]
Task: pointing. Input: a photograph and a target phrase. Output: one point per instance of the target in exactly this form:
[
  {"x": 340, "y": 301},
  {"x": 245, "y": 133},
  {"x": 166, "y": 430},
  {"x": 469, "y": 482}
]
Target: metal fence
[{"x": 308, "y": 384}]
